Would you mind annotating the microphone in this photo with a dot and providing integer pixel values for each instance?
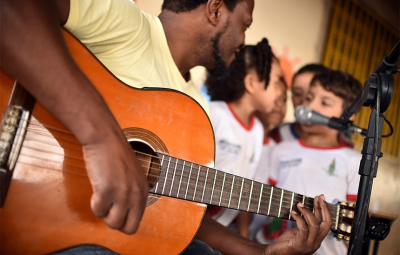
(308, 116)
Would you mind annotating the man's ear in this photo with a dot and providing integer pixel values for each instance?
(213, 9)
(249, 82)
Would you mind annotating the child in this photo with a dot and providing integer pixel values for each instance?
(275, 118)
(300, 85)
(235, 99)
(271, 119)
(318, 163)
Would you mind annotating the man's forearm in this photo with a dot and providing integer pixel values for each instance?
(225, 240)
(33, 52)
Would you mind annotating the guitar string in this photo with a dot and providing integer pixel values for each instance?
(275, 199)
(34, 121)
(284, 210)
(193, 176)
(181, 170)
(255, 193)
(139, 152)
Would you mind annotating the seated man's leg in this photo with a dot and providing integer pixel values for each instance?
(86, 250)
(198, 247)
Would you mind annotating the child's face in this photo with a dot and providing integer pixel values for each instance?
(264, 99)
(275, 117)
(323, 102)
(300, 86)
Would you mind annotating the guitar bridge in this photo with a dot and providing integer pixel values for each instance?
(13, 129)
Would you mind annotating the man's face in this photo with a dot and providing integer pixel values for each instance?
(230, 38)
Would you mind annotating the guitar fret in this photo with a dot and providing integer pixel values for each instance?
(280, 204)
(205, 182)
(230, 195)
(180, 180)
(251, 193)
(212, 191)
(197, 180)
(337, 217)
(222, 190)
(166, 176)
(173, 177)
(270, 199)
(291, 206)
(240, 196)
(259, 200)
(190, 174)
(162, 161)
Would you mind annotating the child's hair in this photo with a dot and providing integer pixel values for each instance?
(310, 68)
(231, 87)
(342, 84)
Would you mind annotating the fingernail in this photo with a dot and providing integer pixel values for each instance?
(323, 197)
(294, 212)
(300, 204)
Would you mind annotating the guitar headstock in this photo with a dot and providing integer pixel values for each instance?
(344, 220)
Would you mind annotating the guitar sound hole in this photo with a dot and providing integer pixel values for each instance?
(149, 160)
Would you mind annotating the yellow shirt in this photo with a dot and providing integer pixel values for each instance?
(130, 43)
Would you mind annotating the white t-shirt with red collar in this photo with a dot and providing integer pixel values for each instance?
(237, 149)
(264, 166)
(312, 171)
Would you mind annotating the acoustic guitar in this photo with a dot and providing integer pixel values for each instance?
(45, 191)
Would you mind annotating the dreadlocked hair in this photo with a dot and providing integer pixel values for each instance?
(231, 86)
(189, 5)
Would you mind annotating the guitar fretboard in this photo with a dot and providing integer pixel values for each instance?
(190, 181)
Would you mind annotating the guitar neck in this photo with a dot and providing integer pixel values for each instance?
(193, 182)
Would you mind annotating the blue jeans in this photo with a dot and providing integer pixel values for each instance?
(197, 247)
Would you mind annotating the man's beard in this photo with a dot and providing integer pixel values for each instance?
(220, 70)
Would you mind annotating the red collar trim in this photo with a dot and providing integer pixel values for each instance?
(249, 127)
(302, 143)
(266, 141)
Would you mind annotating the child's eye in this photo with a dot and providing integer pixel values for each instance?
(308, 99)
(325, 103)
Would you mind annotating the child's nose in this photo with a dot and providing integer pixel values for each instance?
(313, 105)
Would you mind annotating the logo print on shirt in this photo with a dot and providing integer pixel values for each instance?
(290, 163)
(229, 147)
(331, 169)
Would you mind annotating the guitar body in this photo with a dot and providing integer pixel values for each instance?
(47, 207)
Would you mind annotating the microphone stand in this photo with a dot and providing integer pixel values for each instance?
(377, 94)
